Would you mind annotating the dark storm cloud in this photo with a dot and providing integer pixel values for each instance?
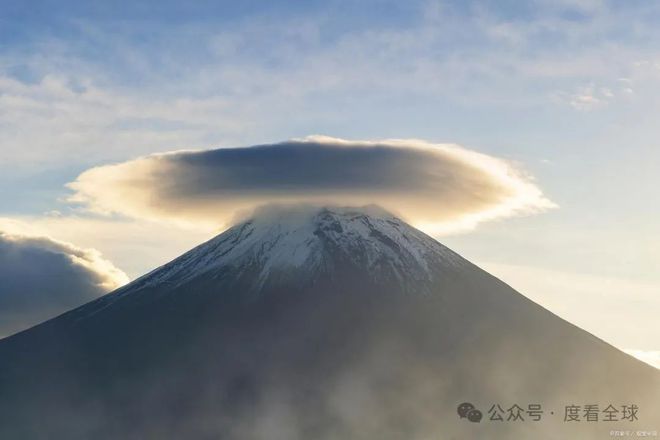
(41, 278)
(436, 185)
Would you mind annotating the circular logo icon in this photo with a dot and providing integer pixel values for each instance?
(464, 408)
(474, 415)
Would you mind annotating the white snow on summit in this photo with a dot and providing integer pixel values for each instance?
(281, 238)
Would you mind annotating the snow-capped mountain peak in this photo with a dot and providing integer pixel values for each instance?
(306, 241)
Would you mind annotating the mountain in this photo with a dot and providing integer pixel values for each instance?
(315, 323)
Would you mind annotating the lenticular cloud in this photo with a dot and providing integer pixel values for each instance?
(435, 186)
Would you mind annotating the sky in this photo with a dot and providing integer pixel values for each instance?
(566, 93)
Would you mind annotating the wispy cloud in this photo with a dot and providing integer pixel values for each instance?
(82, 118)
(183, 89)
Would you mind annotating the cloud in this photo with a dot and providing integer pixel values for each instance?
(240, 84)
(41, 278)
(591, 97)
(139, 245)
(78, 116)
(437, 186)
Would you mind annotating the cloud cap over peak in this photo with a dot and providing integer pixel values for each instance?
(436, 186)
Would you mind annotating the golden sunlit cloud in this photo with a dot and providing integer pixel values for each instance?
(438, 187)
(42, 278)
(138, 245)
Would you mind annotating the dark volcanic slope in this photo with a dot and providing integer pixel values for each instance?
(314, 324)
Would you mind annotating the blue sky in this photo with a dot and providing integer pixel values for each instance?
(566, 89)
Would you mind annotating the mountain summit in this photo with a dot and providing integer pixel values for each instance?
(312, 323)
(302, 244)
